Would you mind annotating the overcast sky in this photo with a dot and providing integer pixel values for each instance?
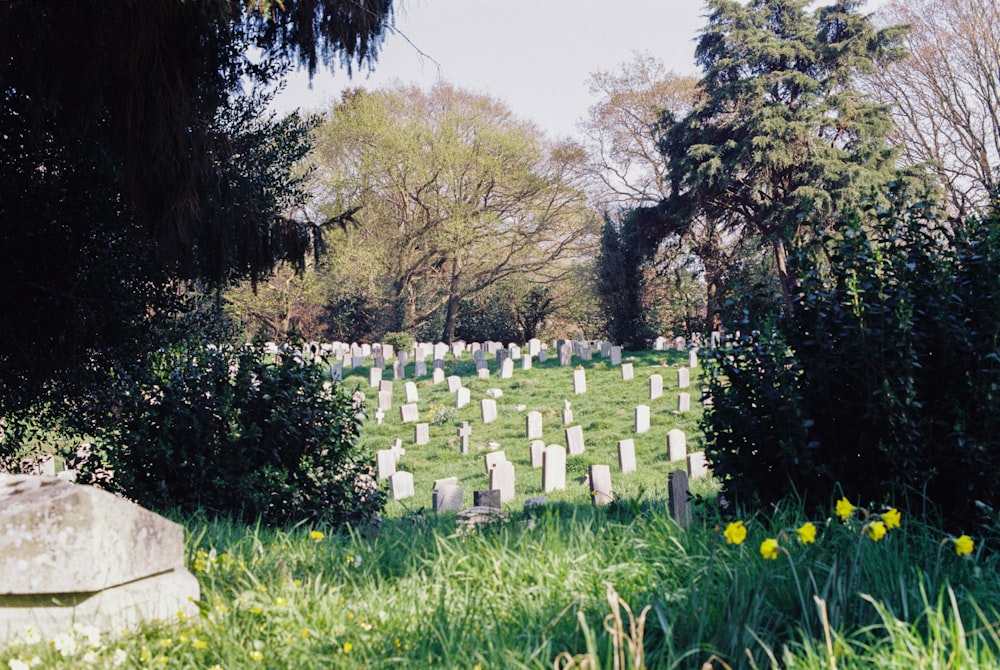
(535, 55)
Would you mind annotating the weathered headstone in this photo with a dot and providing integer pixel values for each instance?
(537, 448)
(543, 356)
(534, 346)
(526, 362)
(385, 459)
(676, 445)
(490, 460)
(502, 479)
(697, 465)
(616, 355)
(409, 413)
(385, 385)
(463, 397)
(554, 468)
(399, 368)
(486, 498)
(683, 402)
(507, 369)
(488, 410)
(454, 383)
(600, 485)
(71, 553)
(438, 376)
(693, 358)
(565, 354)
(655, 387)
(420, 369)
(567, 413)
(410, 389)
(421, 433)
(642, 419)
(628, 372)
(447, 498)
(660, 343)
(533, 425)
(374, 377)
(515, 351)
(464, 432)
(483, 373)
(357, 361)
(574, 440)
(379, 417)
(401, 485)
(337, 372)
(384, 401)
(626, 456)
(683, 378)
(579, 381)
(678, 498)
(440, 349)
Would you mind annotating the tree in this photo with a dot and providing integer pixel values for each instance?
(134, 163)
(945, 95)
(782, 129)
(456, 195)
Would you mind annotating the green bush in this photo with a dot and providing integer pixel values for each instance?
(226, 430)
(400, 341)
(885, 381)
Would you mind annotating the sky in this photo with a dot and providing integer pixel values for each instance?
(534, 55)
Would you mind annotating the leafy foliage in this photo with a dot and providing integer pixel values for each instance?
(224, 429)
(886, 379)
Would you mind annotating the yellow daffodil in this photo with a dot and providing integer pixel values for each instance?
(806, 533)
(844, 509)
(964, 545)
(876, 530)
(735, 532)
(257, 655)
(891, 517)
(316, 535)
(769, 548)
(347, 647)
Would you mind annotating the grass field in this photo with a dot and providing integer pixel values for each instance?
(566, 585)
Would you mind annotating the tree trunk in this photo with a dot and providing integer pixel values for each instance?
(784, 279)
(451, 316)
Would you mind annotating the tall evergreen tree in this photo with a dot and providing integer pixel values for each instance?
(781, 130)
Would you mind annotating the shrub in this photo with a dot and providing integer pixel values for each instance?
(399, 341)
(224, 429)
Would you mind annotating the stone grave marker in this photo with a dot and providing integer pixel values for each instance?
(683, 378)
(420, 369)
(464, 432)
(697, 465)
(489, 498)
(655, 387)
(600, 485)
(357, 361)
(526, 362)
(515, 351)
(71, 553)
(693, 358)
(447, 498)
(567, 413)
(409, 413)
(676, 445)
(678, 499)
(507, 368)
(385, 385)
(374, 377)
(579, 381)
(440, 349)
(502, 479)
(337, 372)
(401, 485)
(410, 388)
(399, 367)
(554, 468)
(388, 351)
(490, 459)
(642, 419)
(457, 348)
(626, 456)
(680, 344)
(628, 372)
(421, 433)
(533, 425)
(397, 449)
(574, 440)
(384, 401)
(438, 376)
(483, 373)
(683, 402)
(605, 349)
(454, 383)
(543, 356)
(488, 410)
(385, 459)
(565, 354)
(378, 362)
(616, 355)
(379, 417)
(660, 343)
(462, 397)
(537, 448)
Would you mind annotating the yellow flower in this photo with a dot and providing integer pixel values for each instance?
(891, 518)
(347, 647)
(844, 509)
(257, 655)
(964, 545)
(735, 532)
(769, 548)
(199, 644)
(875, 530)
(316, 535)
(806, 533)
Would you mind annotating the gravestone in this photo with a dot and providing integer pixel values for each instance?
(502, 479)
(464, 432)
(628, 372)
(600, 485)
(515, 351)
(543, 356)
(567, 413)
(655, 387)
(533, 425)
(537, 448)
(420, 369)
(483, 373)
(440, 349)
(388, 351)
(438, 376)
(374, 377)
(457, 349)
(683, 378)
(71, 553)
(676, 445)
(379, 417)
(454, 383)
(507, 369)
(616, 355)
(642, 419)
(337, 372)
(447, 498)
(678, 498)
(554, 468)
(584, 350)
(462, 397)
(385, 459)
(378, 362)
(401, 485)
(605, 349)
(384, 401)
(697, 465)
(490, 459)
(579, 381)
(526, 362)
(397, 449)
(534, 346)
(565, 354)
(385, 386)
(626, 456)
(488, 410)
(489, 498)
(574, 440)
(683, 402)
(399, 368)
(660, 343)
(680, 344)
(409, 413)
(693, 358)
(357, 361)
(421, 433)
(420, 353)
(410, 389)
(502, 355)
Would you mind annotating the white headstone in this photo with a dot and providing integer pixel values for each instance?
(642, 419)
(693, 358)
(626, 456)
(676, 445)
(386, 461)
(409, 413)
(554, 468)
(533, 425)
(401, 485)
(462, 397)
(628, 372)
(454, 383)
(574, 440)
(537, 448)
(683, 378)
(502, 479)
(616, 355)
(507, 368)
(374, 377)
(438, 376)
(483, 373)
(410, 389)
(683, 402)
(534, 346)
(579, 381)
(526, 362)
(655, 387)
(490, 459)
(697, 465)
(421, 433)
(464, 432)
(488, 409)
(600, 485)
